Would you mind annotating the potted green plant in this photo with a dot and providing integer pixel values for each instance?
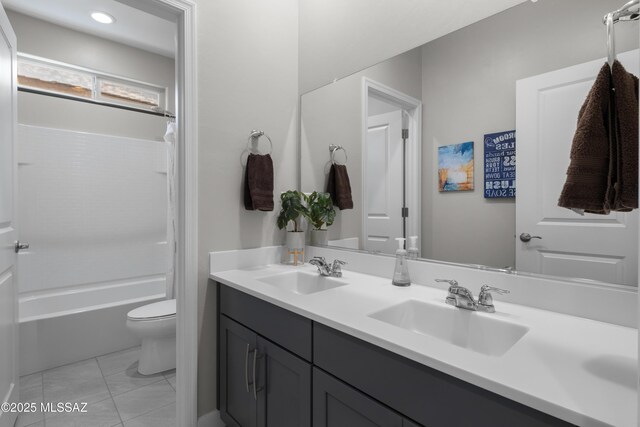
(320, 213)
(291, 211)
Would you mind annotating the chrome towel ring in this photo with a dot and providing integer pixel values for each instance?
(332, 149)
(254, 137)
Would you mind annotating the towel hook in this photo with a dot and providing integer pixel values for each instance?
(611, 43)
(332, 149)
(255, 136)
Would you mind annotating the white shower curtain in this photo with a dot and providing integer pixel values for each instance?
(170, 139)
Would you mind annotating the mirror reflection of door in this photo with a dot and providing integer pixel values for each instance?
(390, 192)
(384, 184)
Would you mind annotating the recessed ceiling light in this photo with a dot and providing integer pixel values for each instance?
(103, 18)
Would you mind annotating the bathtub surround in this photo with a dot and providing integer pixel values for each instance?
(87, 227)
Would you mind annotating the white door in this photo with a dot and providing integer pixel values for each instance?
(597, 247)
(8, 226)
(383, 182)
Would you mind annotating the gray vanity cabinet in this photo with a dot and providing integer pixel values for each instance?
(261, 384)
(237, 404)
(264, 363)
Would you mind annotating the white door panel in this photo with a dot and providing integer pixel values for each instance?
(596, 247)
(8, 223)
(383, 182)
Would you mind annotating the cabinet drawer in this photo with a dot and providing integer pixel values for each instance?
(423, 394)
(289, 330)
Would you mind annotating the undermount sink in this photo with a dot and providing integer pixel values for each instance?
(480, 332)
(301, 282)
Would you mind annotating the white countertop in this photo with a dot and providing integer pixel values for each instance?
(579, 370)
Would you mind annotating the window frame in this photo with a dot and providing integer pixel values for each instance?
(97, 77)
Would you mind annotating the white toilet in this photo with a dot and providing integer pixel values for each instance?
(155, 324)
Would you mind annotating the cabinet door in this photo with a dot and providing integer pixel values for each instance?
(237, 403)
(335, 404)
(283, 387)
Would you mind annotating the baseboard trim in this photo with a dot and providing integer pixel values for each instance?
(211, 419)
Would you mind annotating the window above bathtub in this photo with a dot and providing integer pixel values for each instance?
(49, 77)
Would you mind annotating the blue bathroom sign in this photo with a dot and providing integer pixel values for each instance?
(500, 165)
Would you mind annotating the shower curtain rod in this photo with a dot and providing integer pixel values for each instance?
(629, 12)
(93, 101)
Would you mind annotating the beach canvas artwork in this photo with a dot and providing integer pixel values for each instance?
(455, 167)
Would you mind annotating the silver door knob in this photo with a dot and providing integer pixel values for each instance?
(20, 246)
(526, 237)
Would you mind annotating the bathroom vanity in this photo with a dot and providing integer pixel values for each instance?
(299, 373)
(296, 349)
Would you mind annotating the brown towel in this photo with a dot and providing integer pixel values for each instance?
(258, 183)
(625, 130)
(339, 187)
(588, 173)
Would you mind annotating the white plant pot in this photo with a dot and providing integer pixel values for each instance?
(320, 237)
(295, 246)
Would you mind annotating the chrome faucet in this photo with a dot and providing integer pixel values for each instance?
(485, 299)
(330, 270)
(462, 297)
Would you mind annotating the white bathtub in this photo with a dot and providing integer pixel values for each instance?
(72, 324)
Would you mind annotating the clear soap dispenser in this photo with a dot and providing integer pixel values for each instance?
(401, 274)
(412, 252)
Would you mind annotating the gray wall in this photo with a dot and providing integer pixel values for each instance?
(248, 79)
(51, 41)
(469, 90)
(333, 115)
(339, 37)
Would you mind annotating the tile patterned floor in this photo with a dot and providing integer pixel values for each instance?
(116, 394)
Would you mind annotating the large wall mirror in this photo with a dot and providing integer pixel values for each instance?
(464, 142)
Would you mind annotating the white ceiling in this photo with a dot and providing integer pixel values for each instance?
(132, 27)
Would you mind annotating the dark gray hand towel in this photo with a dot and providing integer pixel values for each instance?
(258, 183)
(625, 130)
(339, 187)
(588, 173)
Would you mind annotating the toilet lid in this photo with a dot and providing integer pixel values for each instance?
(156, 310)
